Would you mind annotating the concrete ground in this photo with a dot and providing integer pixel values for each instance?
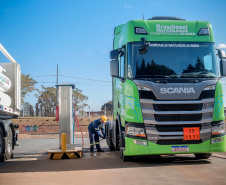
(31, 165)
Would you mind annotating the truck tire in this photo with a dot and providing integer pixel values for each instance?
(1, 146)
(118, 141)
(125, 158)
(203, 156)
(118, 135)
(109, 141)
(9, 144)
(108, 136)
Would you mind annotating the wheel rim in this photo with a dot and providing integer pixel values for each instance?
(10, 141)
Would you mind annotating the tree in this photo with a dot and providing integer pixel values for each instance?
(190, 68)
(199, 65)
(31, 111)
(109, 108)
(156, 69)
(79, 99)
(27, 109)
(37, 110)
(47, 101)
(82, 113)
(151, 68)
(143, 66)
(27, 85)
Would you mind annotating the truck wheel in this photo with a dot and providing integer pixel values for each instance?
(1, 146)
(203, 156)
(9, 144)
(118, 141)
(125, 158)
(110, 143)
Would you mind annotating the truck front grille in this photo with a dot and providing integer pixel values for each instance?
(164, 120)
(175, 128)
(177, 117)
(177, 142)
(177, 107)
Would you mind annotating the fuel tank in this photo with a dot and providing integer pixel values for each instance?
(5, 83)
(5, 99)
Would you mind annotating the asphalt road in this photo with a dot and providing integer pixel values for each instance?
(31, 165)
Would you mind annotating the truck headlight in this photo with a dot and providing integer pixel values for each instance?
(210, 87)
(135, 131)
(138, 142)
(143, 88)
(218, 129)
(217, 140)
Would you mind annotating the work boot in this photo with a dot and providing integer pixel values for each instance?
(91, 148)
(100, 150)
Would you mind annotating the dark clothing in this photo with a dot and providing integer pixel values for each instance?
(96, 126)
(94, 133)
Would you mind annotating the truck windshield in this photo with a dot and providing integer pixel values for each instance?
(173, 60)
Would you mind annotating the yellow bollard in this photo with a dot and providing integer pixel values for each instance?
(63, 142)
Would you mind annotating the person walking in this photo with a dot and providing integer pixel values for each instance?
(94, 133)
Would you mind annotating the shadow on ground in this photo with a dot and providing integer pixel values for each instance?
(89, 161)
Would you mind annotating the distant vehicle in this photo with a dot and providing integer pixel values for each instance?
(10, 101)
(167, 89)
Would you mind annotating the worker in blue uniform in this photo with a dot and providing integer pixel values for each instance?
(94, 132)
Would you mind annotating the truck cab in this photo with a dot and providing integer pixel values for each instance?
(167, 89)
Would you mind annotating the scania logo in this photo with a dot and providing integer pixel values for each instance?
(178, 90)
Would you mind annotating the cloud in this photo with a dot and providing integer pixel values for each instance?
(221, 46)
(128, 6)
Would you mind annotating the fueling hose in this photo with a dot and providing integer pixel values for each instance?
(78, 125)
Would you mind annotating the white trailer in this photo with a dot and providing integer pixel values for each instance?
(10, 101)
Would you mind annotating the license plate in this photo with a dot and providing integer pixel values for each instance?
(180, 148)
(192, 133)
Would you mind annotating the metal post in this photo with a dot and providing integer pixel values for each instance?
(40, 110)
(82, 108)
(89, 111)
(23, 110)
(57, 99)
(65, 112)
(105, 110)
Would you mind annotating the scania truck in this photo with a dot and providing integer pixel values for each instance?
(167, 89)
(10, 98)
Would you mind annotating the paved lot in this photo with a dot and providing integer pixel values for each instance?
(32, 166)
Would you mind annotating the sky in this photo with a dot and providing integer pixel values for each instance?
(78, 36)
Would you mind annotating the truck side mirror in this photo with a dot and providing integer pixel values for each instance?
(221, 54)
(114, 65)
(144, 47)
(115, 53)
(223, 66)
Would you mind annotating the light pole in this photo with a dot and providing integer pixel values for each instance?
(89, 111)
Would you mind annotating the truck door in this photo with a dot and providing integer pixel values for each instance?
(122, 88)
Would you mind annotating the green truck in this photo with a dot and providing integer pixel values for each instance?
(167, 89)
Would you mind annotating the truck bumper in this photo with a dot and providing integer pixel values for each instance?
(133, 149)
